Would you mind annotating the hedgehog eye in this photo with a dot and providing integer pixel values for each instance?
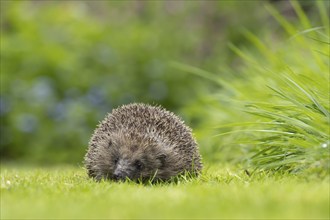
(138, 165)
(116, 160)
(110, 143)
(162, 158)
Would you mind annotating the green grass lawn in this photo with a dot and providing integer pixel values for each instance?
(223, 191)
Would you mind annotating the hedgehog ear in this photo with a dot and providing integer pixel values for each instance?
(162, 158)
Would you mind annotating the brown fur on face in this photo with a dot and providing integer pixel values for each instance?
(139, 141)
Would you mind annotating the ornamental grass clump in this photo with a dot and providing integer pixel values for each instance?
(283, 86)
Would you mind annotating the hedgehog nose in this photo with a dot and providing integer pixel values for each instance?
(118, 176)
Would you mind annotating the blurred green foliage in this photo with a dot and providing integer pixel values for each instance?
(65, 64)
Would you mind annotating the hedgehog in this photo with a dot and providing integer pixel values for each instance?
(142, 142)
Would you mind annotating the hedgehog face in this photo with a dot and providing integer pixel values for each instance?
(121, 157)
(134, 169)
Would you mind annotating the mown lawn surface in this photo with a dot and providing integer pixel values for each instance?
(222, 191)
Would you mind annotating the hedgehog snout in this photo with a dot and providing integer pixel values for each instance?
(121, 171)
(118, 175)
